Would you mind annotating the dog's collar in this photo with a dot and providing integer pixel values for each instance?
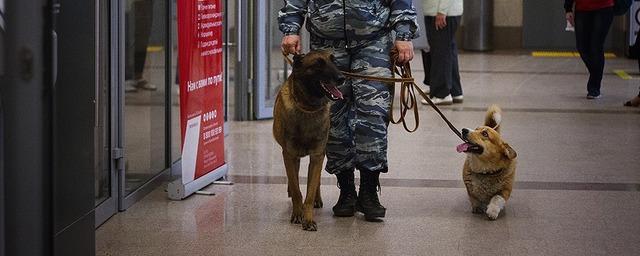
(490, 173)
(302, 107)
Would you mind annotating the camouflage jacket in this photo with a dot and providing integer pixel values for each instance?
(350, 19)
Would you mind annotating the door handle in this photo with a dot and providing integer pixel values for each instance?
(239, 28)
(55, 9)
(54, 58)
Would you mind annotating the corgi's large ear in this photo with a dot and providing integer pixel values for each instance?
(508, 151)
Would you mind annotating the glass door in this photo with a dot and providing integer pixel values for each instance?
(270, 69)
(146, 97)
(106, 197)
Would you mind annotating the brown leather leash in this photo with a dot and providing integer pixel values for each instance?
(408, 90)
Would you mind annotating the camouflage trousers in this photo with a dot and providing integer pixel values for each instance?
(358, 133)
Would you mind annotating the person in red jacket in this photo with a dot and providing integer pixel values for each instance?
(592, 20)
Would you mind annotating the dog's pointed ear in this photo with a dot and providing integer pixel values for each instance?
(508, 151)
(320, 62)
(297, 59)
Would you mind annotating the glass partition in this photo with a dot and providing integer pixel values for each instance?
(144, 103)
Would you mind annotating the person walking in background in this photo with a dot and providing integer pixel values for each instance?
(358, 32)
(634, 51)
(442, 18)
(591, 19)
(137, 41)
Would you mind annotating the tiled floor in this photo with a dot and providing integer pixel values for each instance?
(578, 190)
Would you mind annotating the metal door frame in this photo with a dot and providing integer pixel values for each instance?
(2, 179)
(261, 58)
(109, 207)
(242, 90)
(253, 55)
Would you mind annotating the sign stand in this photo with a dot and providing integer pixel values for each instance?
(200, 68)
(224, 181)
(205, 193)
(178, 191)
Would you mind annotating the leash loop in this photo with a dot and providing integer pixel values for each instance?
(408, 89)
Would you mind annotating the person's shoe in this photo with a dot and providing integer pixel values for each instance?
(426, 89)
(368, 202)
(346, 205)
(439, 101)
(635, 102)
(593, 97)
(145, 85)
(458, 99)
(129, 86)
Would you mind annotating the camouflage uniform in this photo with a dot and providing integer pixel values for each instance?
(359, 34)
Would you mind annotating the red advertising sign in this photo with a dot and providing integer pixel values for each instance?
(200, 67)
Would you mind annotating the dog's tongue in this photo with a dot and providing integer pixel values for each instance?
(462, 147)
(335, 92)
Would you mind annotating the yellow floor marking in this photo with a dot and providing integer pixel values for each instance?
(154, 48)
(564, 54)
(622, 74)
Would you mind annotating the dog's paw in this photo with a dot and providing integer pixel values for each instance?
(309, 225)
(296, 218)
(493, 211)
(318, 203)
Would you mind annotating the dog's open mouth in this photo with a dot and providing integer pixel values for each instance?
(469, 147)
(331, 90)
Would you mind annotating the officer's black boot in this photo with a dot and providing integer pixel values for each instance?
(368, 202)
(345, 207)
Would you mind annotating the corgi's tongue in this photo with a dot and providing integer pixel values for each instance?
(463, 147)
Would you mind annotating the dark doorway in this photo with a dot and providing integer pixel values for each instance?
(544, 25)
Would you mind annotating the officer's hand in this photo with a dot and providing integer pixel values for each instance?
(291, 44)
(405, 51)
(441, 21)
(570, 18)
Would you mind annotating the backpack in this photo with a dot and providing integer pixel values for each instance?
(621, 7)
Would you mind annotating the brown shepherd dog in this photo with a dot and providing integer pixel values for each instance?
(301, 126)
(490, 168)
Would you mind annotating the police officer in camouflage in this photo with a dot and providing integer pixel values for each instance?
(358, 32)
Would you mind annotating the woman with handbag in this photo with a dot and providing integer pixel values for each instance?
(592, 20)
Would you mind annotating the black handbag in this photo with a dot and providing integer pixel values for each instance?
(621, 7)
(634, 50)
